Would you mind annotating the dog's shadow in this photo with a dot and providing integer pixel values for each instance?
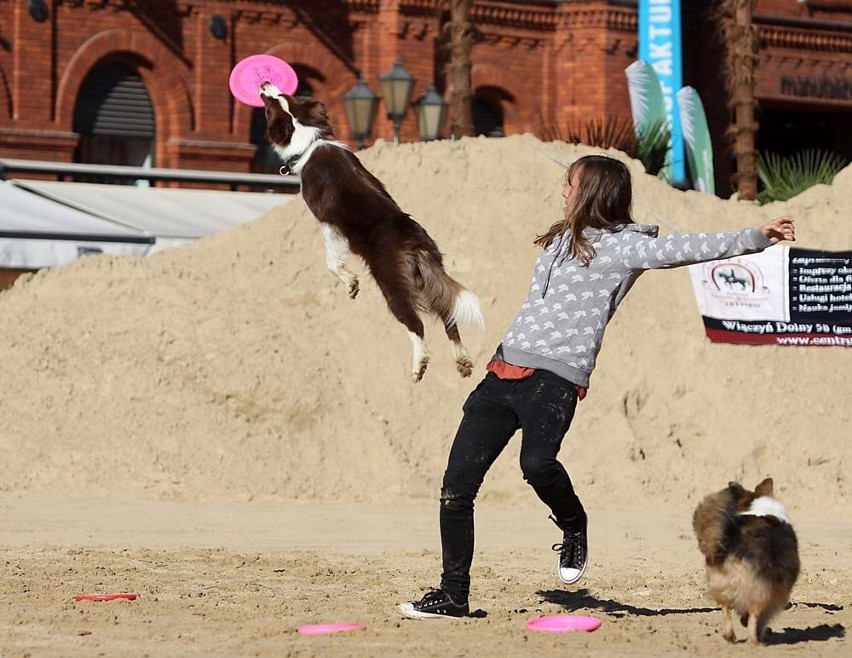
(819, 633)
(583, 599)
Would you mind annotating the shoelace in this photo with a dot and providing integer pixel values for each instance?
(434, 596)
(574, 548)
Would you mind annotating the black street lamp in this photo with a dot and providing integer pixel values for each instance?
(397, 85)
(430, 109)
(360, 104)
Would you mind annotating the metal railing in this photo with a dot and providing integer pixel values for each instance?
(93, 173)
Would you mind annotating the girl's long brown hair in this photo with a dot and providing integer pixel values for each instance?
(602, 201)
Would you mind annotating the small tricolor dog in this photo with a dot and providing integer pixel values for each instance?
(751, 552)
(358, 215)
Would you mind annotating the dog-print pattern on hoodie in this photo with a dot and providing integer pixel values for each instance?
(561, 324)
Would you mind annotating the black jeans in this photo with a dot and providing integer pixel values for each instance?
(542, 406)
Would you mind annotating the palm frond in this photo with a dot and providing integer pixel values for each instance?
(783, 177)
(653, 149)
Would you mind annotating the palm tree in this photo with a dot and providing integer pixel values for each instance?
(459, 68)
(740, 35)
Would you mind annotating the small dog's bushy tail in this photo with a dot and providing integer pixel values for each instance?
(442, 295)
(712, 522)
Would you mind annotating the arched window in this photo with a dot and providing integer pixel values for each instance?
(265, 160)
(488, 111)
(115, 118)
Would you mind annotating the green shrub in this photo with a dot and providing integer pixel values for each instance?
(783, 177)
(651, 149)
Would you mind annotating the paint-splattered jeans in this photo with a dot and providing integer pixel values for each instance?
(542, 406)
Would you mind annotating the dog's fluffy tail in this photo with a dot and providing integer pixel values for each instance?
(712, 523)
(447, 298)
(467, 309)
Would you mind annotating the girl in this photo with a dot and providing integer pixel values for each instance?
(590, 260)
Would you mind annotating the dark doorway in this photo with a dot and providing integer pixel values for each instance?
(115, 119)
(786, 131)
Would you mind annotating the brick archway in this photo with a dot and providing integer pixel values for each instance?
(486, 75)
(159, 69)
(338, 80)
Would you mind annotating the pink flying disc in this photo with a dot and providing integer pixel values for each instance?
(250, 73)
(105, 597)
(563, 623)
(327, 629)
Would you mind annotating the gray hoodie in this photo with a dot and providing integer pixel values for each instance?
(561, 324)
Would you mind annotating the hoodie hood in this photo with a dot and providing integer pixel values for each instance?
(645, 229)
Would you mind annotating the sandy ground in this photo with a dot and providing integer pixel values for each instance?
(217, 579)
(219, 429)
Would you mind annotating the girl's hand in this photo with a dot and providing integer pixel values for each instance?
(779, 229)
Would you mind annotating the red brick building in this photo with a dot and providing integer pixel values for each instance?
(146, 82)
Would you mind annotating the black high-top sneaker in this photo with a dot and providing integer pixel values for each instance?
(437, 604)
(574, 549)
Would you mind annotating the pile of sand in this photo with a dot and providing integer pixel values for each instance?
(237, 368)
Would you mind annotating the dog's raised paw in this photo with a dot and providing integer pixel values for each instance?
(417, 375)
(354, 288)
(464, 365)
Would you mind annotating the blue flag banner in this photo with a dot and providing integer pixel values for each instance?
(660, 46)
(781, 296)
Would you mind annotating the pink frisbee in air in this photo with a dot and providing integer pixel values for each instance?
(250, 73)
(328, 629)
(563, 623)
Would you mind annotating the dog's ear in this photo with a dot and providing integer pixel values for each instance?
(765, 488)
(279, 128)
(319, 117)
(736, 490)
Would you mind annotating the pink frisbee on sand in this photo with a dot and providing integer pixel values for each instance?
(130, 596)
(328, 629)
(563, 623)
(250, 73)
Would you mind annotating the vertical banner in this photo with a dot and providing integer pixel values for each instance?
(781, 296)
(696, 138)
(660, 46)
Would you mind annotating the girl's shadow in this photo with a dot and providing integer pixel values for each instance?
(583, 599)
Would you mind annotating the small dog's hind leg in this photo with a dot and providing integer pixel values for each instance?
(464, 364)
(757, 622)
(728, 632)
(336, 251)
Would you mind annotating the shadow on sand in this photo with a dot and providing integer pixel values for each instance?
(819, 633)
(583, 599)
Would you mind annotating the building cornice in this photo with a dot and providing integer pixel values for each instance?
(610, 18)
(780, 37)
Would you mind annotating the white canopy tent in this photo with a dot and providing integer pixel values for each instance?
(47, 223)
(36, 232)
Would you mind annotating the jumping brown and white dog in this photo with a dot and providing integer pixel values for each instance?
(358, 215)
(751, 552)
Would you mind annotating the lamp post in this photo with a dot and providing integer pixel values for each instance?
(397, 85)
(430, 109)
(360, 104)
